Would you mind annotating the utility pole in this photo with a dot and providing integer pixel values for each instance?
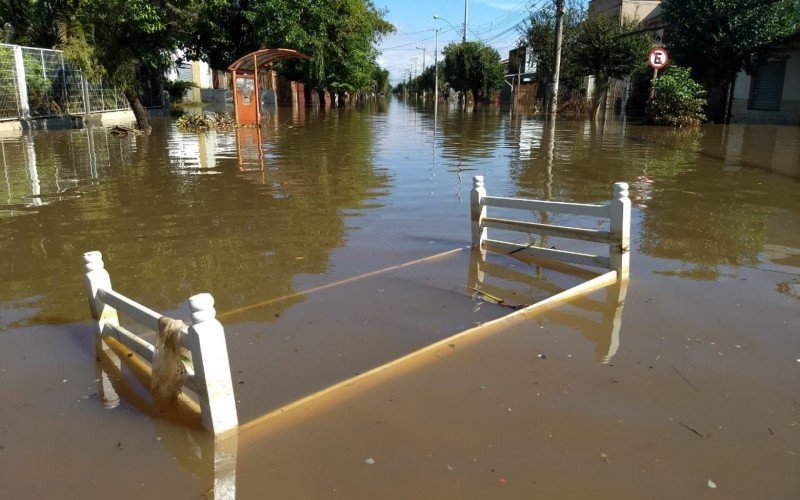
(424, 55)
(436, 70)
(466, 18)
(557, 64)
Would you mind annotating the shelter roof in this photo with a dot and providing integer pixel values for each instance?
(264, 57)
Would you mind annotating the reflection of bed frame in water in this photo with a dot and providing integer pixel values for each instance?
(212, 459)
(603, 333)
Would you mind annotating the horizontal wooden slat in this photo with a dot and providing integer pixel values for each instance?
(130, 340)
(144, 349)
(581, 259)
(130, 308)
(547, 206)
(505, 273)
(574, 233)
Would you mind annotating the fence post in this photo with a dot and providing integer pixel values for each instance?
(85, 91)
(97, 277)
(206, 341)
(619, 249)
(22, 85)
(478, 212)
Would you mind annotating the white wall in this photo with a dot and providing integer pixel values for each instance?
(791, 81)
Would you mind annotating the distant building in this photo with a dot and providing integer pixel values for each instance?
(521, 87)
(646, 12)
(772, 93)
(211, 84)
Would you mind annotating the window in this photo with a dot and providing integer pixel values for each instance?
(767, 86)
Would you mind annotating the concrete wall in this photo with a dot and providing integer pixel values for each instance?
(122, 117)
(789, 113)
(638, 10)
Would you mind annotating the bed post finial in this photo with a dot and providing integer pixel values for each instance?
(478, 212)
(619, 251)
(97, 278)
(206, 341)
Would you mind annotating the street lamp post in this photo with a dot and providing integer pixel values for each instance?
(466, 17)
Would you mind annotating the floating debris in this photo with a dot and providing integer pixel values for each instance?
(369, 461)
(712, 484)
(702, 435)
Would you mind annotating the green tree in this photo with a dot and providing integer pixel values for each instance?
(424, 82)
(475, 67)
(339, 36)
(125, 39)
(605, 47)
(719, 38)
(540, 39)
(32, 22)
(380, 77)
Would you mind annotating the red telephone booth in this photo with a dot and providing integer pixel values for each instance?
(245, 77)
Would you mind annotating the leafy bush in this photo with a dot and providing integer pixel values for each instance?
(177, 89)
(678, 99)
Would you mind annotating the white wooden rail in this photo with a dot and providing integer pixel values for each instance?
(208, 370)
(617, 237)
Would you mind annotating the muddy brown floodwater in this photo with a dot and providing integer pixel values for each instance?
(687, 377)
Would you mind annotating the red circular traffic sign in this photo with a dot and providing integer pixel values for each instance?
(658, 58)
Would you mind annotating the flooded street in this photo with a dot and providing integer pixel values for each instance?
(688, 374)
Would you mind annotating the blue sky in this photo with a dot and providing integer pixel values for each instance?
(493, 21)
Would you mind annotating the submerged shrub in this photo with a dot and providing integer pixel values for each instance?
(193, 123)
(200, 122)
(575, 106)
(677, 100)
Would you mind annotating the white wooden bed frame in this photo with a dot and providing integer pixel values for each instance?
(208, 368)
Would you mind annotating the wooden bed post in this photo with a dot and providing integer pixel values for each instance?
(619, 248)
(97, 278)
(206, 341)
(478, 212)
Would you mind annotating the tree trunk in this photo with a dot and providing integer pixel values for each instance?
(717, 107)
(138, 111)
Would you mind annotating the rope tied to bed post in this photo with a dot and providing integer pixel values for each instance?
(169, 372)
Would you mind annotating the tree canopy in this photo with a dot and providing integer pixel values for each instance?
(339, 36)
(539, 37)
(605, 47)
(124, 40)
(719, 38)
(475, 67)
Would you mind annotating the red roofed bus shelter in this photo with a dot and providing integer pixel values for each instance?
(246, 90)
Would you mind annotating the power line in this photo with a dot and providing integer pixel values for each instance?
(414, 42)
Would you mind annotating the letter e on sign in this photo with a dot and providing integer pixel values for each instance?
(658, 58)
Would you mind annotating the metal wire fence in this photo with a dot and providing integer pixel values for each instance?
(9, 93)
(54, 88)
